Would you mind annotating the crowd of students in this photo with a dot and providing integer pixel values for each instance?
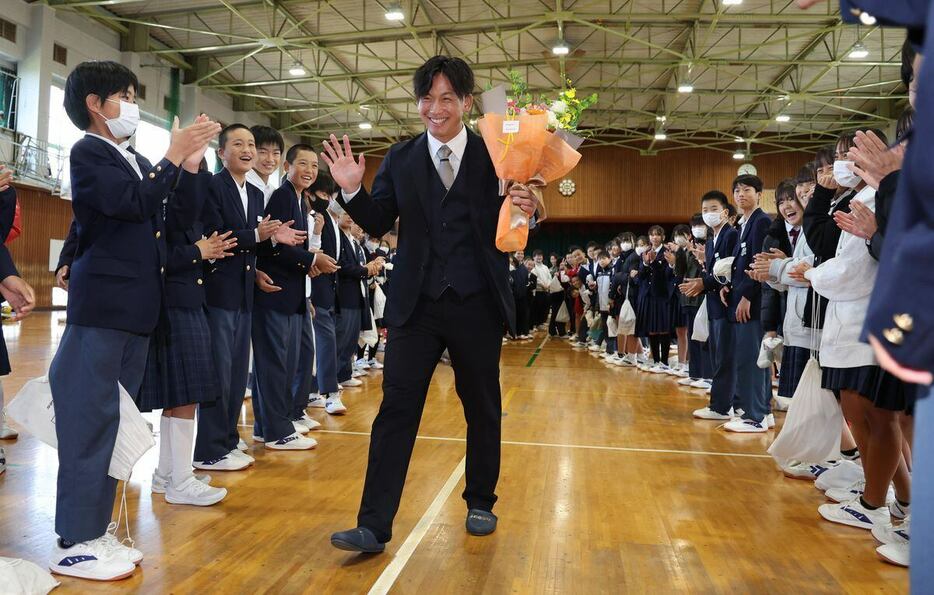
(748, 297)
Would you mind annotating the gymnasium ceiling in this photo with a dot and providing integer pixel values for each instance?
(748, 64)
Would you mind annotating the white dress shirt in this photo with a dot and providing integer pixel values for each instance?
(267, 187)
(122, 148)
(245, 200)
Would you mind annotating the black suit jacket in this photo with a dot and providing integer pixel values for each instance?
(401, 190)
(7, 269)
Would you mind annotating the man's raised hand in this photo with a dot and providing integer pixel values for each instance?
(347, 172)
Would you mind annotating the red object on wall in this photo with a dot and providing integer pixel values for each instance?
(17, 225)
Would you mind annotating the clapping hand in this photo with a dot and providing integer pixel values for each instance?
(20, 295)
(267, 227)
(860, 221)
(874, 157)
(825, 178)
(285, 234)
(192, 163)
(265, 284)
(216, 246)
(797, 273)
(762, 262)
(185, 141)
(700, 252)
(692, 287)
(324, 264)
(344, 170)
(319, 224)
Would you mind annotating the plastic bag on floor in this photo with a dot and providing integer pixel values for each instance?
(32, 409)
(701, 323)
(22, 576)
(811, 432)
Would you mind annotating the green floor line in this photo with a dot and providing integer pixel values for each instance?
(537, 351)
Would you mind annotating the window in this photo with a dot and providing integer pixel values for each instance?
(8, 30)
(60, 54)
(141, 92)
(151, 140)
(62, 135)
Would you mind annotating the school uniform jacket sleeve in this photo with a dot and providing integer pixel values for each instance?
(350, 268)
(7, 268)
(748, 287)
(214, 221)
(820, 229)
(7, 212)
(103, 186)
(375, 211)
(280, 207)
(67, 255)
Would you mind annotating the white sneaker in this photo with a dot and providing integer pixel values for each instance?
(353, 383)
(94, 560)
(239, 454)
(594, 348)
(119, 549)
(895, 553)
(293, 442)
(160, 482)
(299, 427)
(893, 534)
(845, 474)
(681, 372)
(746, 426)
(225, 463)
(854, 514)
(194, 493)
(644, 367)
(782, 403)
(334, 406)
(376, 364)
(770, 420)
(686, 381)
(258, 438)
(798, 470)
(316, 401)
(855, 491)
(362, 364)
(309, 423)
(702, 383)
(7, 433)
(898, 511)
(629, 360)
(708, 413)
(2, 460)
(358, 374)
(241, 445)
(659, 369)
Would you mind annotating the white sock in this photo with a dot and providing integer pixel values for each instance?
(183, 439)
(165, 447)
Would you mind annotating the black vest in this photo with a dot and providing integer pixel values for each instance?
(452, 250)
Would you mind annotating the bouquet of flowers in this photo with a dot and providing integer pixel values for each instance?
(531, 142)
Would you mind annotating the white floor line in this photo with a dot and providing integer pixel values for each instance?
(582, 446)
(388, 578)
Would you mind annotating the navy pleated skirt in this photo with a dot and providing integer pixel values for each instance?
(862, 380)
(180, 367)
(793, 361)
(653, 317)
(894, 395)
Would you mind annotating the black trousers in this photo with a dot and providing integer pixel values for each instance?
(471, 329)
(523, 321)
(556, 328)
(540, 307)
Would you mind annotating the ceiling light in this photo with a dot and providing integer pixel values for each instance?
(561, 48)
(867, 19)
(732, 2)
(685, 87)
(660, 134)
(740, 139)
(739, 155)
(782, 118)
(661, 118)
(365, 125)
(859, 51)
(297, 69)
(394, 12)
(784, 98)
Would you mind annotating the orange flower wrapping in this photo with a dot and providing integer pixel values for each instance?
(520, 154)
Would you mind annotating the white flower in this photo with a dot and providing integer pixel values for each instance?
(559, 107)
(552, 119)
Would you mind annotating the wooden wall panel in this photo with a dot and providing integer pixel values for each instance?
(619, 185)
(43, 217)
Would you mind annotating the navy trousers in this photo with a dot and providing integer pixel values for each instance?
(217, 423)
(304, 375)
(348, 335)
(276, 340)
(83, 378)
(325, 378)
(699, 364)
(723, 384)
(753, 384)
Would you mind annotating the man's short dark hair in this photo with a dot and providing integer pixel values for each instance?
(454, 69)
(222, 139)
(323, 183)
(717, 196)
(266, 135)
(603, 254)
(592, 244)
(95, 77)
(537, 253)
(294, 150)
(681, 229)
(748, 180)
(697, 219)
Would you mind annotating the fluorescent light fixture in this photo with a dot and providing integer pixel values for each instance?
(560, 48)
(661, 118)
(740, 139)
(739, 155)
(859, 51)
(365, 125)
(782, 118)
(394, 12)
(297, 69)
(732, 2)
(685, 87)
(660, 134)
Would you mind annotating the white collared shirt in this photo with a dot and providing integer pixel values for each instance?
(267, 187)
(458, 145)
(122, 148)
(245, 199)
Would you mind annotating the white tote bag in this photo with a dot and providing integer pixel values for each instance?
(32, 408)
(811, 432)
(379, 302)
(612, 327)
(562, 316)
(701, 323)
(626, 322)
(369, 337)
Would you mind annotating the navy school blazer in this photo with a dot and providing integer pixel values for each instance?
(724, 246)
(324, 286)
(7, 212)
(119, 263)
(229, 281)
(184, 268)
(747, 246)
(349, 276)
(287, 265)
(7, 269)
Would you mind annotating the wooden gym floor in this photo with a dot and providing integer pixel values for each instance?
(608, 486)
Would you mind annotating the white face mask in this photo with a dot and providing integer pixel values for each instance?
(124, 125)
(640, 250)
(681, 241)
(843, 175)
(713, 219)
(626, 246)
(699, 232)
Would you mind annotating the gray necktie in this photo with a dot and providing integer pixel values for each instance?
(444, 166)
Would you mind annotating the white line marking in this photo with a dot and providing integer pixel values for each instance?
(582, 446)
(388, 578)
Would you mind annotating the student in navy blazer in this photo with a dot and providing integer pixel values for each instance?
(744, 296)
(351, 297)
(115, 299)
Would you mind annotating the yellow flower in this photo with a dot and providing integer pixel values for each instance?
(571, 93)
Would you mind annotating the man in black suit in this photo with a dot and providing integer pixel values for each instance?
(449, 290)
